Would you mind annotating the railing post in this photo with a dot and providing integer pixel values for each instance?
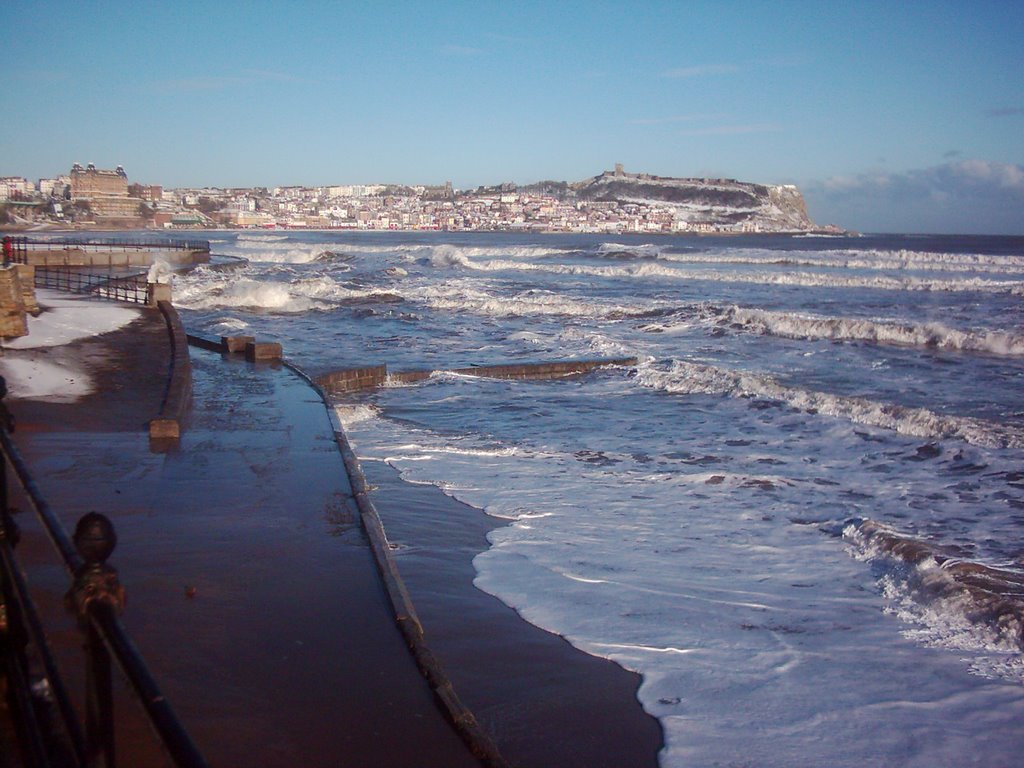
(96, 582)
(6, 422)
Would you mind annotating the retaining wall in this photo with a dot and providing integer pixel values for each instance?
(178, 396)
(80, 257)
(356, 379)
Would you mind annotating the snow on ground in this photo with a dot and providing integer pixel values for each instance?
(65, 319)
(34, 379)
(69, 317)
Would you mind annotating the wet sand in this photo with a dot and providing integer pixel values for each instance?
(287, 653)
(545, 702)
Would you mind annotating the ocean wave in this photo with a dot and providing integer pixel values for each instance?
(346, 416)
(457, 258)
(282, 251)
(930, 335)
(227, 326)
(459, 297)
(902, 260)
(693, 378)
(199, 291)
(260, 237)
(642, 251)
(952, 602)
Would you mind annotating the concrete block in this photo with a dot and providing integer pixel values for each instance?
(162, 429)
(263, 351)
(158, 292)
(235, 344)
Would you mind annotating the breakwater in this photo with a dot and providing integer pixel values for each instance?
(355, 379)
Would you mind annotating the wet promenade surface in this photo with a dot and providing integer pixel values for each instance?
(253, 595)
(286, 652)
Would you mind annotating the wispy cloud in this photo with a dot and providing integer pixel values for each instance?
(733, 130)
(673, 119)
(460, 50)
(701, 70)
(1006, 112)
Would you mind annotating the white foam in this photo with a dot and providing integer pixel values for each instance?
(349, 415)
(466, 297)
(937, 335)
(686, 583)
(226, 325)
(684, 377)
(279, 250)
(854, 259)
(456, 257)
(938, 615)
(159, 272)
(645, 250)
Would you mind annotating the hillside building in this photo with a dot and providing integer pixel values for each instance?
(105, 191)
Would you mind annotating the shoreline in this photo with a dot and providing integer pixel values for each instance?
(544, 701)
(817, 232)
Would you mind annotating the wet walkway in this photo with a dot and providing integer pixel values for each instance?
(252, 592)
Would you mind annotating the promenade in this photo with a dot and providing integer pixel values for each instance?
(254, 596)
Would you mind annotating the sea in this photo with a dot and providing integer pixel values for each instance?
(799, 516)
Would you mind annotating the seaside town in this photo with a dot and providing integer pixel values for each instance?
(92, 198)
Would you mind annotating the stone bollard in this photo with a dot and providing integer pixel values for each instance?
(236, 344)
(263, 352)
(157, 292)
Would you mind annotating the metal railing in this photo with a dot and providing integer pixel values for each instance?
(110, 281)
(48, 729)
(24, 244)
(132, 288)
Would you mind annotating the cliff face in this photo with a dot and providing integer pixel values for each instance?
(718, 204)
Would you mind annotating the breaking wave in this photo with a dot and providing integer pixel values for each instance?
(347, 415)
(952, 602)
(456, 257)
(465, 298)
(901, 260)
(930, 335)
(261, 237)
(864, 260)
(643, 251)
(693, 378)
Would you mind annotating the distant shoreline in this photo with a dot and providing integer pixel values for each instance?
(820, 232)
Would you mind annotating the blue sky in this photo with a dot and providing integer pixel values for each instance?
(890, 116)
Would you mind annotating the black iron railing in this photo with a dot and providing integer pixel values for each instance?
(130, 288)
(24, 244)
(47, 726)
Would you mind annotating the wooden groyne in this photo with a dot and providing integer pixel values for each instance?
(358, 379)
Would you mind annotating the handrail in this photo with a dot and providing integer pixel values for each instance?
(132, 288)
(18, 591)
(73, 561)
(111, 242)
(97, 595)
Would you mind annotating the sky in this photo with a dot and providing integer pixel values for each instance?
(890, 116)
